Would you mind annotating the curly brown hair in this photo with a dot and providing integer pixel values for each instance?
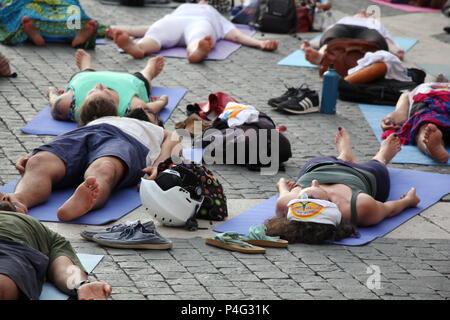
(95, 108)
(309, 232)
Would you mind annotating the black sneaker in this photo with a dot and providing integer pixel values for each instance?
(306, 101)
(274, 102)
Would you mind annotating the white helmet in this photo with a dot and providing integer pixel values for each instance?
(170, 204)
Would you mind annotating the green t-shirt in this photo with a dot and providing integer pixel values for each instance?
(27, 230)
(126, 85)
(360, 181)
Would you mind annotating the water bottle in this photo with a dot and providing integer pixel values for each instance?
(329, 91)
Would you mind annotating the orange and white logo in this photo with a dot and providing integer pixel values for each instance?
(305, 209)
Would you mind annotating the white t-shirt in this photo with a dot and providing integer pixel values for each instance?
(370, 23)
(148, 134)
(204, 11)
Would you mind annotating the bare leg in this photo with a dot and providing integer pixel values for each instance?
(388, 149)
(153, 68)
(83, 60)
(198, 50)
(100, 179)
(238, 36)
(344, 146)
(395, 119)
(137, 50)
(8, 288)
(430, 141)
(133, 32)
(30, 30)
(87, 31)
(42, 171)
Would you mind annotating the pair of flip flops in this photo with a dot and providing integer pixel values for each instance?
(253, 242)
(5, 70)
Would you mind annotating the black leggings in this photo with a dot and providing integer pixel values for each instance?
(354, 32)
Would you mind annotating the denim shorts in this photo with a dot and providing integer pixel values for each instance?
(80, 147)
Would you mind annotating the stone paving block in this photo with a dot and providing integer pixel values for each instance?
(128, 296)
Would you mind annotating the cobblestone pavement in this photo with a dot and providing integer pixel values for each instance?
(410, 269)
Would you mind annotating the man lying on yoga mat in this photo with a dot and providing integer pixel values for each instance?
(422, 117)
(30, 253)
(106, 154)
(333, 196)
(94, 91)
(198, 26)
(360, 26)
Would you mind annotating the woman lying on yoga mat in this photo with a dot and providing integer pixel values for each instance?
(422, 117)
(38, 20)
(198, 26)
(360, 26)
(30, 253)
(90, 92)
(333, 196)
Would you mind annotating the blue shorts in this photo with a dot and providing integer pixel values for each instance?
(80, 147)
(375, 167)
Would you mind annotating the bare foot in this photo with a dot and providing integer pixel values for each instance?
(313, 56)
(154, 67)
(432, 139)
(30, 30)
(87, 31)
(344, 145)
(81, 202)
(388, 149)
(204, 46)
(269, 45)
(411, 197)
(123, 41)
(83, 60)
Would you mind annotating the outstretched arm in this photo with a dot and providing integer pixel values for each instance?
(238, 36)
(66, 275)
(371, 211)
(170, 146)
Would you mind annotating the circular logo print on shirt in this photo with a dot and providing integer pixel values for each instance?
(305, 209)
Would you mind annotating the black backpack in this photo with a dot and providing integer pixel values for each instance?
(276, 16)
(381, 91)
(132, 3)
(243, 137)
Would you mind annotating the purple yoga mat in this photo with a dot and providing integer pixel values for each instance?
(221, 51)
(431, 187)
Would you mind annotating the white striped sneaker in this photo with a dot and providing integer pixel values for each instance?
(306, 101)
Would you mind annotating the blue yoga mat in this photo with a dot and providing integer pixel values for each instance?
(431, 187)
(297, 58)
(409, 154)
(435, 69)
(44, 124)
(50, 292)
(119, 204)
